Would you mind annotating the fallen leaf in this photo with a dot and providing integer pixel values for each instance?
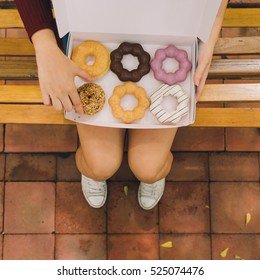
(167, 244)
(207, 206)
(126, 190)
(237, 257)
(223, 254)
(248, 218)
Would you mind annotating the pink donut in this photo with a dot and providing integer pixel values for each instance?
(179, 75)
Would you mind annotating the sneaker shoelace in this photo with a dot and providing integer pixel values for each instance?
(150, 191)
(95, 190)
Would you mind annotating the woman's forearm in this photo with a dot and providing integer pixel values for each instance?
(206, 51)
(218, 23)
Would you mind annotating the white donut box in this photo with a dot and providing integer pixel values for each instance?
(152, 23)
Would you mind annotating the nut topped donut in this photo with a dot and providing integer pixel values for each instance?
(134, 49)
(138, 112)
(92, 98)
(98, 51)
(171, 52)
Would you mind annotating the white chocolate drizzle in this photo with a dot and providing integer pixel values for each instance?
(161, 114)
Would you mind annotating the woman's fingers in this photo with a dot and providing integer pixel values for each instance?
(83, 74)
(74, 97)
(56, 103)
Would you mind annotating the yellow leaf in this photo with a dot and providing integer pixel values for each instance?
(237, 257)
(223, 254)
(248, 218)
(207, 206)
(167, 244)
(126, 190)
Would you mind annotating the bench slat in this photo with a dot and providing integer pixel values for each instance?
(234, 68)
(10, 18)
(230, 93)
(237, 45)
(212, 93)
(22, 69)
(206, 117)
(20, 94)
(16, 46)
(227, 117)
(241, 17)
(30, 114)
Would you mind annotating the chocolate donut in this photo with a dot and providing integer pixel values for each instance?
(134, 49)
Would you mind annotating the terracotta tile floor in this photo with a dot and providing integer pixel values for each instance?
(208, 195)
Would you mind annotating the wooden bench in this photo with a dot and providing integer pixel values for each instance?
(23, 104)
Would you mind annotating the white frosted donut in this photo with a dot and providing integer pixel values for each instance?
(161, 114)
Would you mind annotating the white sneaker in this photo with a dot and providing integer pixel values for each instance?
(95, 192)
(150, 194)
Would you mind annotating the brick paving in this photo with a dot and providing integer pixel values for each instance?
(209, 192)
(211, 201)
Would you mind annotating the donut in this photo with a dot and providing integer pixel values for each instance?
(98, 51)
(136, 113)
(180, 74)
(134, 49)
(92, 98)
(161, 114)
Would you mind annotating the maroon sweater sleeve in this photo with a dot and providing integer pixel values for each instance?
(37, 15)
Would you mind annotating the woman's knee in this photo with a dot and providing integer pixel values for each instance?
(99, 167)
(149, 169)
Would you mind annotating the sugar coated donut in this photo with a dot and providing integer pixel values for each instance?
(161, 114)
(98, 51)
(134, 49)
(92, 97)
(138, 112)
(180, 74)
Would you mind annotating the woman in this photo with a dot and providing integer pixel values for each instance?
(101, 148)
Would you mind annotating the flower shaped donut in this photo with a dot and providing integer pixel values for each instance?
(138, 112)
(171, 52)
(136, 50)
(161, 114)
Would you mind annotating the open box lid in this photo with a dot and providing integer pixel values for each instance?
(189, 18)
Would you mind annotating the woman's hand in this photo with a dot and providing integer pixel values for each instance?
(56, 73)
(204, 61)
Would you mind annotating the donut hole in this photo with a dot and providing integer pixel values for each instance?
(90, 60)
(170, 65)
(128, 102)
(130, 62)
(169, 103)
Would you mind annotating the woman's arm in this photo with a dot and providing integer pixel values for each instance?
(37, 15)
(56, 71)
(206, 51)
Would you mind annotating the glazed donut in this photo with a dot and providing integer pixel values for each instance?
(92, 98)
(100, 53)
(138, 112)
(161, 114)
(134, 49)
(171, 52)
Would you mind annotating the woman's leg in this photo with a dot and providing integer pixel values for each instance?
(150, 159)
(100, 152)
(149, 153)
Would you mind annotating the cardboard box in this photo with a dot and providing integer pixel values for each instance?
(154, 24)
